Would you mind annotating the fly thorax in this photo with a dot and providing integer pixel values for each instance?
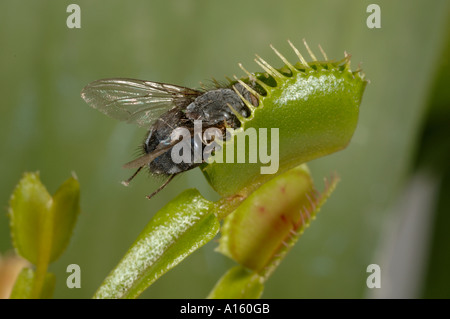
(215, 107)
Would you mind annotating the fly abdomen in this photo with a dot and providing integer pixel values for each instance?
(215, 108)
(182, 157)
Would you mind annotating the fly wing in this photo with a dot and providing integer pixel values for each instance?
(149, 157)
(136, 101)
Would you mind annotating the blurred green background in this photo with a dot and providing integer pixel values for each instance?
(390, 208)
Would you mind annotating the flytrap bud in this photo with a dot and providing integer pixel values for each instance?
(261, 230)
(299, 112)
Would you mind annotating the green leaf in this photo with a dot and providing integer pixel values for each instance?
(64, 210)
(238, 283)
(28, 208)
(23, 286)
(179, 228)
(41, 226)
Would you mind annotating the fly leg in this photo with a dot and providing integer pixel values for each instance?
(162, 186)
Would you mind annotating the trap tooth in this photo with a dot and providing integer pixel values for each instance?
(246, 102)
(252, 77)
(300, 56)
(268, 68)
(236, 113)
(311, 54)
(285, 61)
(323, 53)
(248, 88)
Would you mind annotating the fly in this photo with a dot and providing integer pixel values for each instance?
(162, 108)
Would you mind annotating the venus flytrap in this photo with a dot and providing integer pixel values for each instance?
(307, 110)
(314, 107)
(260, 229)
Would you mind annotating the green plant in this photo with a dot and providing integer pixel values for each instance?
(314, 105)
(41, 226)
